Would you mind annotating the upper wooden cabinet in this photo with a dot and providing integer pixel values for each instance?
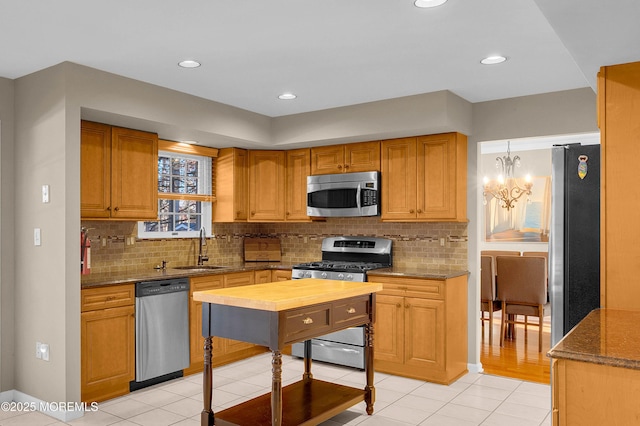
(424, 178)
(618, 112)
(348, 158)
(266, 186)
(118, 173)
(231, 186)
(298, 168)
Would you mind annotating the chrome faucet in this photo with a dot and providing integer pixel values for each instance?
(202, 242)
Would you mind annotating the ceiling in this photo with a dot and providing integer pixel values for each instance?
(330, 53)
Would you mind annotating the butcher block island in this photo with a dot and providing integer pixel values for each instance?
(278, 314)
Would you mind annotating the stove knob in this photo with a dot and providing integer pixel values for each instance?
(324, 275)
(307, 274)
(349, 277)
(301, 274)
(341, 276)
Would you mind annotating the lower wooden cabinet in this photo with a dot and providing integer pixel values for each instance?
(421, 328)
(107, 340)
(224, 351)
(262, 277)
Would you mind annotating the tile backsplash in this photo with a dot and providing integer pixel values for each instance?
(115, 247)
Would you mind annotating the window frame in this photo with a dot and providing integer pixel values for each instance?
(182, 150)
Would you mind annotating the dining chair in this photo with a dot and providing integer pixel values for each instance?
(494, 253)
(522, 290)
(546, 258)
(488, 300)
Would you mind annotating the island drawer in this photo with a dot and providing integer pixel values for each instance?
(307, 322)
(351, 311)
(92, 299)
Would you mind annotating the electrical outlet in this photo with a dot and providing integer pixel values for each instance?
(38, 353)
(441, 242)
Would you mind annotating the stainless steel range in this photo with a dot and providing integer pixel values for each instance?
(348, 259)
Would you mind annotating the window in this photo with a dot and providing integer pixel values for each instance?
(184, 197)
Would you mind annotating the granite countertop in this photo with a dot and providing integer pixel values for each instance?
(605, 336)
(134, 275)
(421, 271)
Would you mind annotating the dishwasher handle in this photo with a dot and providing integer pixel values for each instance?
(153, 288)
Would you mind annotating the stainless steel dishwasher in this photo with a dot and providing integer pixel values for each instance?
(162, 331)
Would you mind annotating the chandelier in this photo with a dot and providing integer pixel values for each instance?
(506, 188)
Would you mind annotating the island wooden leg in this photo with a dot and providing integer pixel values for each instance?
(307, 360)
(370, 396)
(207, 417)
(276, 389)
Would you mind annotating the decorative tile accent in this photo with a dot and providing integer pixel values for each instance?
(413, 243)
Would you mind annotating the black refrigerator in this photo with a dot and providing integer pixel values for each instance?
(574, 241)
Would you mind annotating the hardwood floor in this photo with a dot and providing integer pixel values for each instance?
(519, 358)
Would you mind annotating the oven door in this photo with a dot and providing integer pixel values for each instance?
(331, 196)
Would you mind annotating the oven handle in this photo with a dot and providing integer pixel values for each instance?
(358, 196)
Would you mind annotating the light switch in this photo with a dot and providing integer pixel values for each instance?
(45, 193)
(36, 237)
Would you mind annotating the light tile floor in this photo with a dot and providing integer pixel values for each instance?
(475, 399)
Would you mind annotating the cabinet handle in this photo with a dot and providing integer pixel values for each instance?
(346, 166)
(419, 210)
(339, 166)
(351, 310)
(109, 208)
(307, 320)
(398, 305)
(253, 213)
(110, 298)
(237, 214)
(117, 208)
(288, 213)
(407, 306)
(411, 211)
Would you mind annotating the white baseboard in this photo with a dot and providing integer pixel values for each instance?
(475, 368)
(63, 411)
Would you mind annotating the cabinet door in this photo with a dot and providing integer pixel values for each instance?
(266, 185)
(231, 185)
(134, 177)
(262, 277)
(298, 168)
(195, 322)
(95, 170)
(107, 353)
(362, 157)
(280, 275)
(389, 328)
(399, 179)
(436, 177)
(425, 333)
(327, 159)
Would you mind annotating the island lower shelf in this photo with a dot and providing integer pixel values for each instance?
(307, 402)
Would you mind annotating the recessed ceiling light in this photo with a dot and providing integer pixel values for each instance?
(189, 64)
(492, 60)
(190, 142)
(287, 96)
(429, 3)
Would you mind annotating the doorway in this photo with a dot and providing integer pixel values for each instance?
(518, 358)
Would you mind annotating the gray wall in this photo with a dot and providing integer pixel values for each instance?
(6, 235)
(48, 108)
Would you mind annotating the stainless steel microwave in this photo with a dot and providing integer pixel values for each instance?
(344, 195)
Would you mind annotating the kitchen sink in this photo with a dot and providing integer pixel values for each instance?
(199, 267)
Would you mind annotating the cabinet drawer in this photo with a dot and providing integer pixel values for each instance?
(412, 287)
(351, 311)
(107, 297)
(208, 282)
(307, 322)
(238, 279)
